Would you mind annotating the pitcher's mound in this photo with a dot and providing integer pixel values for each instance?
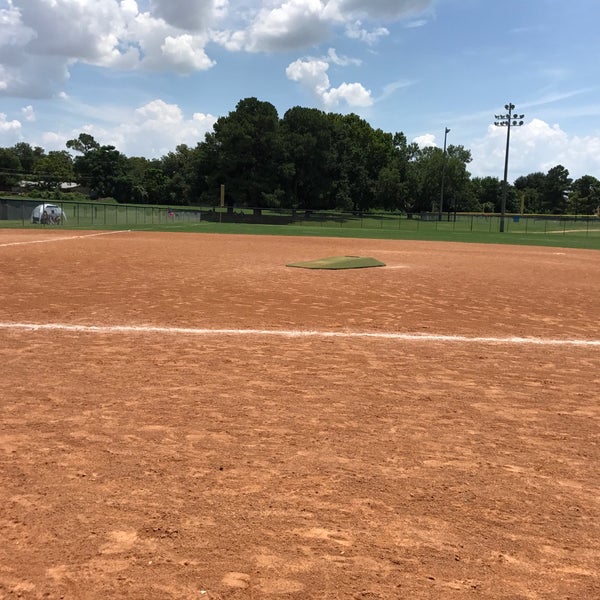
(339, 262)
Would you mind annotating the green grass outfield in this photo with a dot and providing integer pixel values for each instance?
(539, 230)
(543, 233)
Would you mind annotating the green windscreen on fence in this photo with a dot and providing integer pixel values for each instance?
(339, 262)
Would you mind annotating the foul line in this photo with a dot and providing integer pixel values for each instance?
(60, 239)
(409, 337)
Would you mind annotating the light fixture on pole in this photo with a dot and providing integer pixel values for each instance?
(441, 208)
(507, 121)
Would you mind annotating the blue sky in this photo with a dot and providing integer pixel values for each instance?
(147, 75)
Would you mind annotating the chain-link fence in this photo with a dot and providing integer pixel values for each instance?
(19, 212)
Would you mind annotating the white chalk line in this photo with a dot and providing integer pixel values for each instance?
(61, 239)
(299, 333)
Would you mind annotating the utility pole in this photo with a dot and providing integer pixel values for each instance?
(507, 121)
(441, 208)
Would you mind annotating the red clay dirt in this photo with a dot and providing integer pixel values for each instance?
(172, 464)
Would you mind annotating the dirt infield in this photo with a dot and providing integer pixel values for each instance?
(172, 462)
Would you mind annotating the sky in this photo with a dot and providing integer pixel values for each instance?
(148, 75)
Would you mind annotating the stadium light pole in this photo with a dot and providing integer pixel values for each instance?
(507, 121)
(446, 132)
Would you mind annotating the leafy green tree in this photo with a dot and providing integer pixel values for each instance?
(456, 179)
(584, 197)
(103, 169)
(390, 190)
(557, 186)
(53, 169)
(245, 148)
(350, 184)
(179, 168)
(531, 189)
(307, 165)
(84, 143)
(28, 156)
(487, 192)
(362, 158)
(10, 168)
(156, 183)
(427, 168)
(405, 161)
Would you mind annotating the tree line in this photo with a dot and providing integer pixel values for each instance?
(306, 160)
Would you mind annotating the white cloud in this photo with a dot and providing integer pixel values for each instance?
(186, 15)
(423, 141)
(536, 146)
(378, 9)
(40, 40)
(151, 130)
(292, 25)
(354, 94)
(355, 31)
(342, 61)
(6, 125)
(416, 23)
(10, 131)
(186, 53)
(312, 75)
(28, 113)
(84, 30)
(295, 24)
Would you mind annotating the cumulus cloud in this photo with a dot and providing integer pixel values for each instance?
(423, 141)
(357, 32)
(536, 146)
(342, 61)
(295, 24)
(41, 39)
(28, 113)
(312, 74)
(378, 9)
(151, 130)
(183, 14)
(353, 94)
(7, 126)
(10, 131)
(186, 53)
(292, 25)
(168, 34)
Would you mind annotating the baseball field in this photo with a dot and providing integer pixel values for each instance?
(183, 416)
